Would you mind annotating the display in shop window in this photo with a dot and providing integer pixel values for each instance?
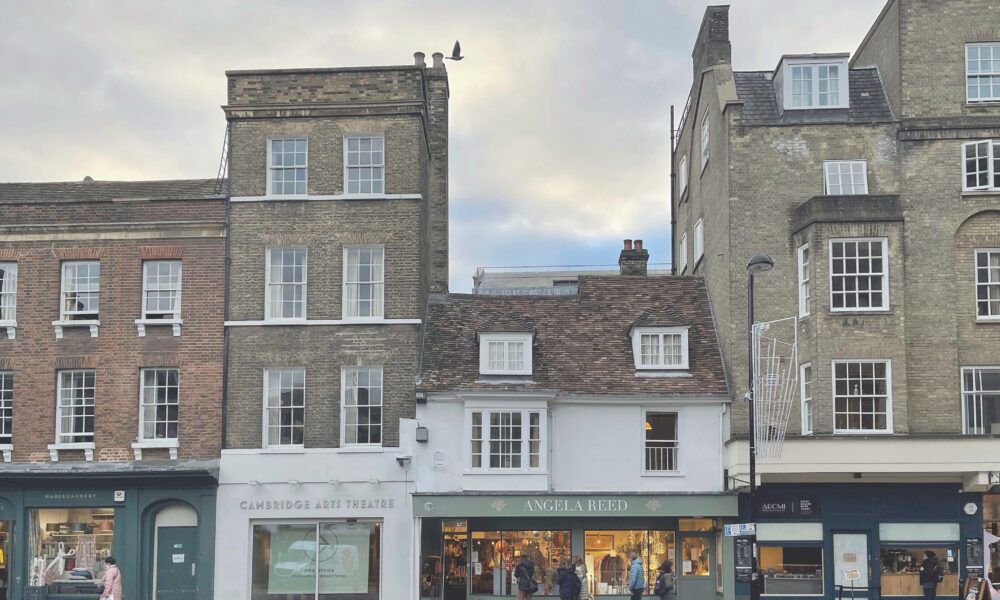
(900, 567)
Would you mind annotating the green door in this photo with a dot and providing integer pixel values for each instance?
(695, 567)
(176, 566)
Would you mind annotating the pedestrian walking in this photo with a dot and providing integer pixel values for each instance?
(581, 574)
(111, 585)
(524, 573)
(568, 582)
(636, 579)
(665, 580)
(930, 574)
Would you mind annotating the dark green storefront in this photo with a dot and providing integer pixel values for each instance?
(59, 523)
(470, 542)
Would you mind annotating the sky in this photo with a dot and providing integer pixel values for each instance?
(559, 114)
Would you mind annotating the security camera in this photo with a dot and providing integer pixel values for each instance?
(404, 461)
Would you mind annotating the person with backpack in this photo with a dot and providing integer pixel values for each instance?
(568, 582)
(581, 574)
(665, 581)
(636, 579)
(931, 574)
(524, 573)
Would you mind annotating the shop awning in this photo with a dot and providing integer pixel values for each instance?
(574, 505)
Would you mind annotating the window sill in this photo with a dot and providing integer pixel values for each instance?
(321, 197)
(982, 104)
(87, 447)
(657, 373)
(988, 320)
(861, 313)
(662, 474)
(11, 327)
(93, 324)
(315, 322)
(290, 449)
(482, 472)
(175, 324)
(171, 445)
(860, 432)
(361, 449)
(980, 193)
(6, 449)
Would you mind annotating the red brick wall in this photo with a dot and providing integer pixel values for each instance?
(118, 352)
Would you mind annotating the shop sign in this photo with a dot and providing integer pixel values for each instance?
(69, 496)
(744, 560)
(784, 508)
(574, 506)
(318, 504)
(974, 561)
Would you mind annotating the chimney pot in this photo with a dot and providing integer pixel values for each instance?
(438, 60)
(638, 245)
(628, 245)
(418, 59)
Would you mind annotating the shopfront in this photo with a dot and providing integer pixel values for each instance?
(815, 539)
(991, 523)
(471, 543)
(56, 532)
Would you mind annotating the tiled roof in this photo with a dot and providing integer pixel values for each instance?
(581, 342)
(760, 104)
(105, 191)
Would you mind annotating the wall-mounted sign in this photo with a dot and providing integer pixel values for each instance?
(784, 508)
(974, 562)
(315, 504)
(119, 495)
(566, 505)
(744, 560)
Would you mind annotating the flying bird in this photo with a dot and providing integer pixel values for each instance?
(456, 52)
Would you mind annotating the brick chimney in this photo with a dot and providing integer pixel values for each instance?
(633, 259)
(712, 46)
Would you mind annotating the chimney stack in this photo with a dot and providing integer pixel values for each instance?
(418, 59)
(633, 259)
(438, 60)
(712, 46)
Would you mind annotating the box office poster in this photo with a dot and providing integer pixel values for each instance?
(340, 558)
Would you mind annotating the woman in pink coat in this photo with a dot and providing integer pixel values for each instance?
(112, 580)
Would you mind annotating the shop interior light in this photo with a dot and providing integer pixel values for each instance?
(649, 426)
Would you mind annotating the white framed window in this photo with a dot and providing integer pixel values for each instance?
(660, 347)
(981, 165)
(699, 239)
(158, 404)
(988, 284)
(859, 274)
(805, 389)
(815, 84)
(862, 396)
(661, 445)
(505, 353)
(805, 285)
(286, 272)
(846, 177)
(364, 164)
(364, 282)
(361, 406)
(982, 72)
(81, 290)
(8, 291)
(506, 439)
(284, 407)
(704, 142)
(682, 174)
(981, 400)
(161, 289)
(6, 408)
(75, 407)
(288, 166)
(682, 249)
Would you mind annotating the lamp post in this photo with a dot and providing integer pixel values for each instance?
(758, 264)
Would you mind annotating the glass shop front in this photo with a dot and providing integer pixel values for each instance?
(475, 558)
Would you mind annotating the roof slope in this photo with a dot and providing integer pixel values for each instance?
(106, 191)
(581, 342)
(760, 103)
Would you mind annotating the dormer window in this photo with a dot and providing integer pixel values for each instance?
(815, 84)
(505, 353)
(660, 348)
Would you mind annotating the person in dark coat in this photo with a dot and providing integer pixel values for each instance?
(524, 573)
(930, 574)
(665, 580)
(568, 582)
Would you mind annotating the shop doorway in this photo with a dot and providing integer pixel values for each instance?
(455, 560)
(175, 557)
(696, 566)
(6, 557)
(851, 562)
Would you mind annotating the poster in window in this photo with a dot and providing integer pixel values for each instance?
(850, 553)
(341, 555)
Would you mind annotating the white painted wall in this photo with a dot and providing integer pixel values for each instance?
(594, 446)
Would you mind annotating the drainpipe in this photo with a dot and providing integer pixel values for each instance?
(673, 180)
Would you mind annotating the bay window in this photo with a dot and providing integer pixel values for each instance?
(862, 396)
(506, 439)
(981, 400)
(981, 165)
(805, 287)
(859, 274)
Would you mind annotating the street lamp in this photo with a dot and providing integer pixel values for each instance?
(758, 264)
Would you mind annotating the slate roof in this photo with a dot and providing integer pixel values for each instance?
(868, 103)
(581, 342)
(106, 191)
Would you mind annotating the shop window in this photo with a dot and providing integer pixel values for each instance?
(792, 570)
(696, 556)
(321, 561)
(661, 442)
(991, 523)
(495, 554)
(606, 554)
(696, 524)
(72, 543)
(900, 567)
